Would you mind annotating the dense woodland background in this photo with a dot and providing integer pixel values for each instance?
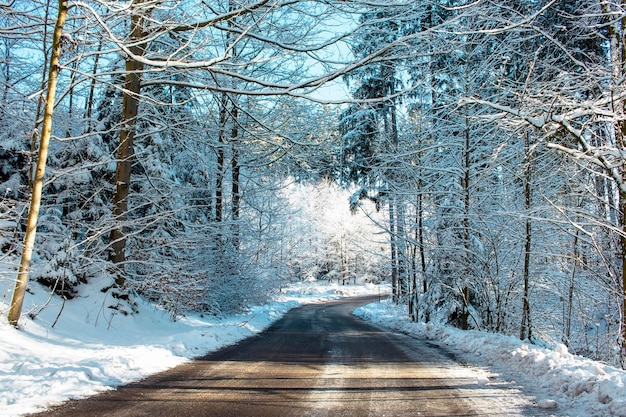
(200, 159)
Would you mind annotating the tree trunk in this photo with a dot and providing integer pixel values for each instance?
(234, 141)
(400, 243)
(621, 143)
(623, 291)
(570, 292)
(413, 289)
(130, 110)
(235, 186)
(525, 328)
(617, 49)
(466, 223)
(399, 202)
(70, 105)
(92, 88)
(40, 102)
(394, 250)
(221, 160)
(403, 279)
(420, 239)
(35, 201)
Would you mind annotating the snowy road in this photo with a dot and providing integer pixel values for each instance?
(318, 360)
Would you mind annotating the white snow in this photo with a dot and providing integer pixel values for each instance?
(561, 383)
(90, 350)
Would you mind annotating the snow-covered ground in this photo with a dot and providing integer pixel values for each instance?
(89, 350)
(568, 385)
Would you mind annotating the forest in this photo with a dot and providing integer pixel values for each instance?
(200, 154)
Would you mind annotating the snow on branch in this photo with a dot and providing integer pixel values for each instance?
(609, 159)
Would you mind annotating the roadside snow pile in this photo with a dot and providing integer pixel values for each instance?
(90, 350)
(575, 385)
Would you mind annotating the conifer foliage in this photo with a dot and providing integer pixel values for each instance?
(492, 224)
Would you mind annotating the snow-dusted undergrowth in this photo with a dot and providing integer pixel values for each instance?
(576, 386)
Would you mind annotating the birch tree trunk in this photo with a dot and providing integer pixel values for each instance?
(40, 169)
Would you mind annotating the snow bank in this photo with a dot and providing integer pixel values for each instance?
(576, 386)
(90, 350)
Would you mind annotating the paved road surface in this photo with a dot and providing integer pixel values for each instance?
(318, 360)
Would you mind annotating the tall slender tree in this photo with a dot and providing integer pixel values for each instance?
(130, 112)
(40, 170)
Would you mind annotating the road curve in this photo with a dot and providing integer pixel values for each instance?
(318, 360)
